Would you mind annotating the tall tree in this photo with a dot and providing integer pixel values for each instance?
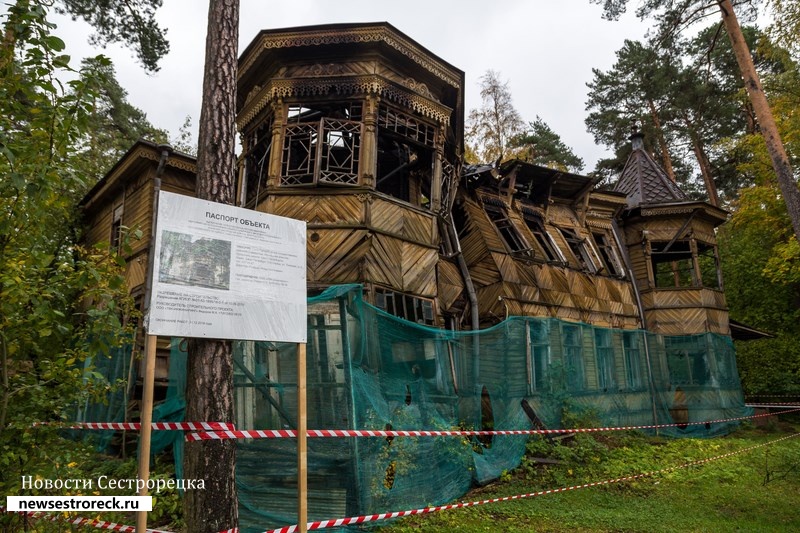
(761, 290)
(785, 25)
(45, 273)
(131, 22)
(636, 90)
(540, 145)
(114, 124)
(674, 14)
(491, 127)
(209, 391)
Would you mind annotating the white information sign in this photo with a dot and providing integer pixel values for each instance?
(225, 272)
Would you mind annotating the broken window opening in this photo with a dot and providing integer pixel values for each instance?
(510, 235)
(322, 145)
(708, 260)
(116, 229)
(673, 267)
(259, 147)
(609, 255)
(405, 157)
(579, 249)
(545, 242)
(405, 306)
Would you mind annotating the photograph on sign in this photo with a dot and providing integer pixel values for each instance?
(228, 273)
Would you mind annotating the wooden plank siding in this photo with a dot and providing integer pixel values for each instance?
(318, 209)
(335, 255)
(529, 286)
(450, 286)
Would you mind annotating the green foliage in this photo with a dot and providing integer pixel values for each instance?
(785, 25)
(183, 142)
(760, 262)
(113, 124)
(74, 460)
(726, 494)
(759, 287)
(770, 366)
(540, 145)
(131, 22)
(683, 93)
(59, 302)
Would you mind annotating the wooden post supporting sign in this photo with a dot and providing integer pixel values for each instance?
(302, 450)
(146, 419)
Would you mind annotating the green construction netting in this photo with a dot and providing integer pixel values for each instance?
(119, 371)
(370, 370)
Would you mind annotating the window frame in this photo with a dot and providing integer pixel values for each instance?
(573, 356)
(507, 230)
(312, 139)
(116, 227)
(535, 223)
(577, 245)
(421, 310)
(606, 363)
(607, 253)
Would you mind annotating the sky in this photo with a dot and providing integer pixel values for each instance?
(544, 49)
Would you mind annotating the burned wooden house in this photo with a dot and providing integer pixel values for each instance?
(611, 297)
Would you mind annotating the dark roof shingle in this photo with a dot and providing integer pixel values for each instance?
(644, 182)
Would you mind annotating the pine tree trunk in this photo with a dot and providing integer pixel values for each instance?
(702, 161)
(209, 379)
(662, 142)
(769, 129)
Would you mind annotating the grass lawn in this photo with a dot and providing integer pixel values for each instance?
(728, 494)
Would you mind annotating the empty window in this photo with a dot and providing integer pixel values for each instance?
(708, 262)
(405, 156)
(509, 233)
(536, 225)
(322, 145)
(608, 254)
(673, 266)
(411, 308)
(116, 228)
(577, 245)
(258, 146)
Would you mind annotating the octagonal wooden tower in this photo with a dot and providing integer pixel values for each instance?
(356, 129)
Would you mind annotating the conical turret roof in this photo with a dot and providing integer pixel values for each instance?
(643, 181)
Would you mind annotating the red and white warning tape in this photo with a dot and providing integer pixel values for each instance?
(793, 405)
(323, 524)
(85, 522)
(750, 397)
(321, 433)
(136, 426)
(96, 524)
